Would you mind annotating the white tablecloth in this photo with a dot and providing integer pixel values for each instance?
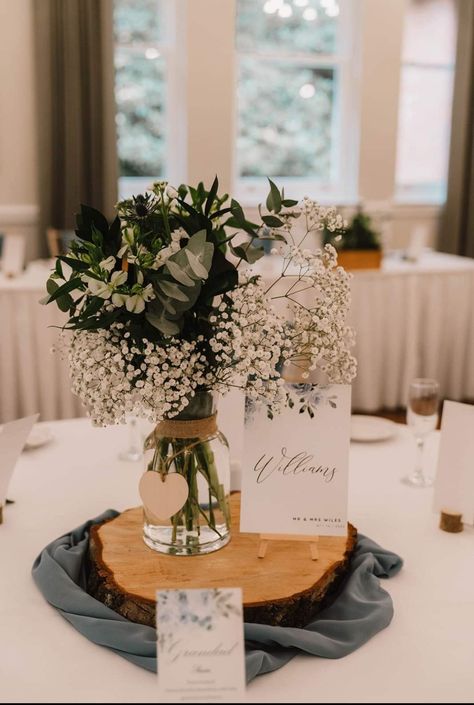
(411, 320)
(425, 655)
(32, 379)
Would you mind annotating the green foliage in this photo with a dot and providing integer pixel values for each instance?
(359, 235)
(187, 268)
(158, 267)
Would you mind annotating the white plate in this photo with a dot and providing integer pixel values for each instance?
(39, 436)
(371, 428)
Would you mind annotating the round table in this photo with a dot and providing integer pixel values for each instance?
(425, 655)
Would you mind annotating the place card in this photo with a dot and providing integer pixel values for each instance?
(295, 467)
(13, 436)
(13, 255)
(454, 484)
(201, 656)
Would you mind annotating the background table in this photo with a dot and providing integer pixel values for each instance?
(32, 378)
(425, 655)
(411, 319)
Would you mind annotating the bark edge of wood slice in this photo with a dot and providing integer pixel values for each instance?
(286, 588)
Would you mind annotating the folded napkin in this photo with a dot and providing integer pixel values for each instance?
(360, 610)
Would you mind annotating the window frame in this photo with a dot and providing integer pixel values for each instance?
(432, 193)
(173, 22)
(203, 143)
(342, 187)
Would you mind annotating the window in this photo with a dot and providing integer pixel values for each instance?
(144, 62)
(428, 62)
(293, 87)
(293, 102)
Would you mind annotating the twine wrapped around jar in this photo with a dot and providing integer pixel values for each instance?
(192, 428)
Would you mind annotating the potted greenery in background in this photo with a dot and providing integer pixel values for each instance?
(359, 245)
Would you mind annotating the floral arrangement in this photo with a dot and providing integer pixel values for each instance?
(358, 235)
(163, 302)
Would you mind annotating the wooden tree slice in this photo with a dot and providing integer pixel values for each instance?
(286, 588)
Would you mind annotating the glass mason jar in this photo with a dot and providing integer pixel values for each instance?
(191, 444)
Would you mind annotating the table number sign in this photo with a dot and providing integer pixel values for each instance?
(295, 469)
(201, 656)
(454, 485)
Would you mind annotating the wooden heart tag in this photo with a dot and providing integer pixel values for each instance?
(163, 495)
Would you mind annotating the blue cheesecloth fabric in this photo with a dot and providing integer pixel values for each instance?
(361, 609)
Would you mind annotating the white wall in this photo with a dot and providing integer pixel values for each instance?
(210, 91)
(381, 36)
(18, 160)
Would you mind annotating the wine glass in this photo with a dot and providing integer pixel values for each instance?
(135, 441)
(422, 417)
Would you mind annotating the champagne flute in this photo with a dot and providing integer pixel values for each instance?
(422, 417)
(135, 441)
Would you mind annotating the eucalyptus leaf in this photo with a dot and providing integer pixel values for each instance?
(193, 294)
(178, 273)
(198, 244)
(65, 302)
(168, 328)
(51, 286)
(172, 290)
(168, 305)
(201, 253)
(195, 264)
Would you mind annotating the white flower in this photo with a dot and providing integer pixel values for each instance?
(105, 289)
(165, 254)
(136, 302)
(97, 288)
(179, 234)
(107, 264)
(171, 192)
(128, 240)
(119, 299)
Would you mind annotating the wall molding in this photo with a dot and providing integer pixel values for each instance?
(418, 210)
(19, 214)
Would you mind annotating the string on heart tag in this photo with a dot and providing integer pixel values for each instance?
(163, 495)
